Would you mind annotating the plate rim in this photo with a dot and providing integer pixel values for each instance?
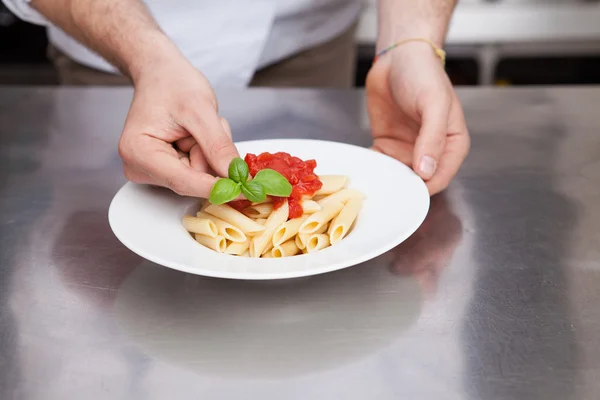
(366, 256)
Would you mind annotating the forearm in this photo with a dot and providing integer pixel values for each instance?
(122, 31)
(403, 19)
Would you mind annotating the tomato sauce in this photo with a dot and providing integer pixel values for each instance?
(240, 205)
(299, 173)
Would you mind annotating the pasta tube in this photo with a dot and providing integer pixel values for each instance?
(301, 238)
(310, 206)
(260, 242)
(317, 242)
(238, 248)
(262, 210)
(203, 226)
(225, 229)
(268, 248)
(331, 184)
(234, 217)
(287, 230)
(285, 249)
(319, 219)
(342, 196)
(216, 243)
(341, 224)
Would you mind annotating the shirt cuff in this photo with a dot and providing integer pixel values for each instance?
(24, 11)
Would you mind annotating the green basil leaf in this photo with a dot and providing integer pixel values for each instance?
(224, 190)
(254, 191)
(274, 183)
(238, 170)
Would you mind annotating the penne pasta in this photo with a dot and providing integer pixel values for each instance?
(340, 225)
(268, 248)
(331, 184)
(238, 248)
(251, 247)
(319, 219)
(234, 217)
(310, 206)
(320, 212)
(285, 249)
(261, 241)
(262, 210)
(203, 226)
(300, 242)
(225, 229)
(317, 242)
(342, 196)
(301, 239)
(217, 243)
(287, 230)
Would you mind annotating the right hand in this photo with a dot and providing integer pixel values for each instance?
(173, 135)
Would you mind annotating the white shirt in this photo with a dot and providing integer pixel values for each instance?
(228, 40)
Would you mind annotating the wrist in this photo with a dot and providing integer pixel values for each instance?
(156, 52)
(388, 37)
(403, 19)
(413, 49)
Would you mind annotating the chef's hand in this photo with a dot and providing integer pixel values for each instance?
(415, 115)
(173, 135)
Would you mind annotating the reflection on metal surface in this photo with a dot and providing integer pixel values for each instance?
(496, 297)
(429, 250)
(266, 330)
(524, 265)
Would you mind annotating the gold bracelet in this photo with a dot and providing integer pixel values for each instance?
(438, 52)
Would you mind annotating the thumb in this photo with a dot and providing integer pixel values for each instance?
(164, 168)
(431, 141)
(213, 137)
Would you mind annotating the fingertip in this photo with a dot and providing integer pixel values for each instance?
(221, 153)
(213, 135)
(199, 184)
(426, 167)
(182, 179)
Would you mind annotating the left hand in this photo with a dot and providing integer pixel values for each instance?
(415, 115)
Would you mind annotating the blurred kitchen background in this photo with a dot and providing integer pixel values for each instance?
(490, 42)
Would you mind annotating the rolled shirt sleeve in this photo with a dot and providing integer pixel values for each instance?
(23, 10)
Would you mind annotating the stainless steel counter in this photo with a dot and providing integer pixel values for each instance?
(497, 296)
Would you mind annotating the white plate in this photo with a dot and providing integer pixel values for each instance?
(148, 220)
